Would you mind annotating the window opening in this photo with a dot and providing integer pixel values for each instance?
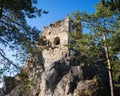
(57, 41)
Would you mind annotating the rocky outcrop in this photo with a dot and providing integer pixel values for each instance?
(1, 92)
(65, 77)
(68, 78)
(29, 79)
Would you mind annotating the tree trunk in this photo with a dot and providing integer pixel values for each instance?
(109, 66)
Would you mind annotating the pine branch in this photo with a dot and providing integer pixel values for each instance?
(2, 54)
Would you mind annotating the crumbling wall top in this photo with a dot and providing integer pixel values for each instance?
(56, 24)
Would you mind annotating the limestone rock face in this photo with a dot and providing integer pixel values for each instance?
(51, 77)
(65, 78)
(16, 91)
(29, 79)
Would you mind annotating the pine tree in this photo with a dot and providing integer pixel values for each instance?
(103, 39)
(103, 27)
(77, 38)
(15, 33)
(113, 5)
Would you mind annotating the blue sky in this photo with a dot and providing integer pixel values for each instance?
(59, 9)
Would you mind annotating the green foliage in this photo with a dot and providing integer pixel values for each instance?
(10, 83)
(76, 24)
(24, 82)
(25, 7)
(116, 71)
(102, 43)
(77, 38)
(84, 43)
(15, 33)
(113, 5)
(88, 92)
(102, 11)
(38, 92)
(117, 85)
(111, 29)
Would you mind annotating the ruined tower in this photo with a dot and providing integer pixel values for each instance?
(57, 35)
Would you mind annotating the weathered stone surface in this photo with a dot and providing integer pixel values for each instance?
(57, 36)
(66, 78)
(17, 91)
(1, 92)
(51, 77)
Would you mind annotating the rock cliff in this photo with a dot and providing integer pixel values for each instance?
(65, 77)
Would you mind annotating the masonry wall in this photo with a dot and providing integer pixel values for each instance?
(57, 35)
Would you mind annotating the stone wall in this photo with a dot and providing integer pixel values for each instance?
(57, 35)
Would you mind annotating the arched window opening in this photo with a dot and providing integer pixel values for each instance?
(57, 41)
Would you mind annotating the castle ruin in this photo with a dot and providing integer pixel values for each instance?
(57, 35)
